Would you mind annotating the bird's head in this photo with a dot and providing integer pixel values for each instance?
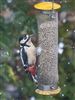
(24, 39)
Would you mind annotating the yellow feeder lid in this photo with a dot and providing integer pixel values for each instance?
(47, 6)
(50, 92)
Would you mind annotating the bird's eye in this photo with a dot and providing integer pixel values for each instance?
(25, 37)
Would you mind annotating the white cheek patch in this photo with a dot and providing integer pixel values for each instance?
(22, 41)
(27, 36)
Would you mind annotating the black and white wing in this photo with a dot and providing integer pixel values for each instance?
(24, 58)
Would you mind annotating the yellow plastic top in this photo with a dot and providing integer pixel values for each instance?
(51, 92)
(47, 6)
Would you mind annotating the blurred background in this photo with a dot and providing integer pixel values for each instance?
(18, 17)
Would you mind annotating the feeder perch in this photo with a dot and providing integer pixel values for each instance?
(47, 70)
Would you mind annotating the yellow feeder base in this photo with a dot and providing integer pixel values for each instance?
(50, 92)
(47, 6)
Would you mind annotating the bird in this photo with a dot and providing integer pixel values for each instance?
(28, 55)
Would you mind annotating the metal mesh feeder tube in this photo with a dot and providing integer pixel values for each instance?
(47, 70)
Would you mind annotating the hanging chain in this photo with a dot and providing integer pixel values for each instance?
(52, 5)
(52, 15)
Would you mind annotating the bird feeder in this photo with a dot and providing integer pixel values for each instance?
(47, 70)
